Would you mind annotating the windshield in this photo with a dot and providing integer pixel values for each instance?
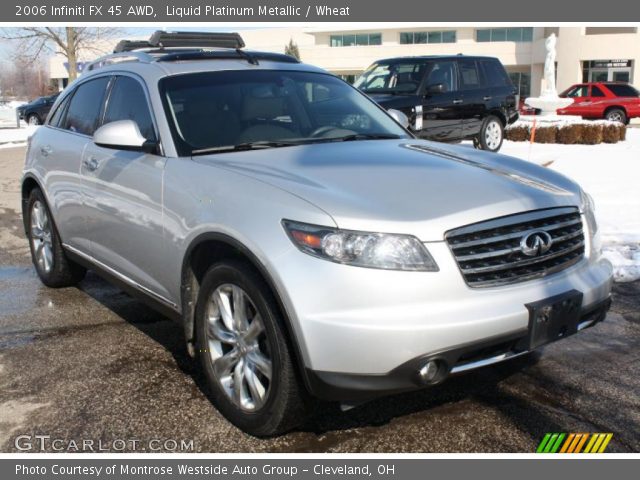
(398, 77)
(227, 110)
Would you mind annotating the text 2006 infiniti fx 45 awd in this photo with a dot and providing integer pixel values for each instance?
(309, 245)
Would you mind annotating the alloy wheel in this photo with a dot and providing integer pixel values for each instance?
(238, 347)
(493, 135)
(41, 236)
(615, 116)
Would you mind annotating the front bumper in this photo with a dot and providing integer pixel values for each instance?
(347, 388)
(365, 330)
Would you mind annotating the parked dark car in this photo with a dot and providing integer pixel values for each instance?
(446, 98)
(36, 111)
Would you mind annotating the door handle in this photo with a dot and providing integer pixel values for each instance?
(46, 150)
(91, 163)
(486, 99)
(457, 101)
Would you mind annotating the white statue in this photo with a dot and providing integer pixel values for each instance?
(550, 67)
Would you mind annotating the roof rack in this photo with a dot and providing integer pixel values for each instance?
(161, 39)
(175, 46)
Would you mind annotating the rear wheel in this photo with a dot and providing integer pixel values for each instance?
(243, 349)
(616, 115)
(53, 267)
(491, 134)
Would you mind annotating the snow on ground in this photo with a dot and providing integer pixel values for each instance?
(611, 174)
(12, 137)
(8, 113)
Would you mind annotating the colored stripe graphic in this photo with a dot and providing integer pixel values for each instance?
(582, 441)
(574, 443)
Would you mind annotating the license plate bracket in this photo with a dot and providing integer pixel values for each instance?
(554, 318)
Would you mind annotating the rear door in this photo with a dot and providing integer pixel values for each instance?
(60, 150)
(125, 194)
(474, 96)
(441, 111)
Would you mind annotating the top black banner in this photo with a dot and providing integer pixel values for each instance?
(153, 11)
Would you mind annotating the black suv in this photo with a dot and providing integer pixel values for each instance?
(446, 98)
(36, 111)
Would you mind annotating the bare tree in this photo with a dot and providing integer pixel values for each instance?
(69, 41)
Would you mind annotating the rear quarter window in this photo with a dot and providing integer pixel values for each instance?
(623, 90)
(495, 74)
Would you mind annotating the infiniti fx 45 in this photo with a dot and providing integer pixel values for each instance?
(308, 244)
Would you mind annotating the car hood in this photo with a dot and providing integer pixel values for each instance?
(404, 186)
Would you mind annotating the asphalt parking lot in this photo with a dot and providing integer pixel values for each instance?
(92, 363)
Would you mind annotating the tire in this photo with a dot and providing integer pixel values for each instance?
(269, 399)
(52, 265)
(33, 119)
(491, 134)
(616, 115)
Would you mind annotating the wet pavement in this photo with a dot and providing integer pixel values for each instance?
(90, 363)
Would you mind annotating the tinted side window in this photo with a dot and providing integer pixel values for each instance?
(129, 102)
(578, 91)
(443, 72)
(596, 92)
(623, 90)
(469, 77)
(59, 113)
(494, 74)
(85, 106)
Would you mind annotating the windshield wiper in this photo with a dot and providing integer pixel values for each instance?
(365, 136)
(243, 146)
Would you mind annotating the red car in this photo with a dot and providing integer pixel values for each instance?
(614, 101)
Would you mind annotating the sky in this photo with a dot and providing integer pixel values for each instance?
(7, 48)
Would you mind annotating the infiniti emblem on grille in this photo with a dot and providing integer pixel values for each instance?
(536, 243)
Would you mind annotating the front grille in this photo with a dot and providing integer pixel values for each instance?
(489, 253)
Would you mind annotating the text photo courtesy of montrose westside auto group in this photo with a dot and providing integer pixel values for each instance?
(320, 238)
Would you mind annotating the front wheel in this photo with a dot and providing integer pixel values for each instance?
(33, 119)
(244, 352)
(491, 135)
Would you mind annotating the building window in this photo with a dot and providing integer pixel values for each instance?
(349, 78)
(360, 39)
(409, 38)
(517, 34)
(522, 81)
(609, 30)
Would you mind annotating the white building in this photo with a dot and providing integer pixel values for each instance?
(583, 53)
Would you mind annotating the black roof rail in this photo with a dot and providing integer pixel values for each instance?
(251, 57)
(130, 45)
(161, 39)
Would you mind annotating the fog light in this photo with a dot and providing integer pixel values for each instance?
(429, 371)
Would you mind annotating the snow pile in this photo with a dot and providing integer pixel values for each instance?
(8, 113)
(13, 137)
(611, 174)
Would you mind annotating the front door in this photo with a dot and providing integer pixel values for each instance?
(125, 196)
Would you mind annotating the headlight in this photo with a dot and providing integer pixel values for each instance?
(362, 249)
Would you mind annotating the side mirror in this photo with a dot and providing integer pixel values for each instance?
(399, 117)
(435, 89)
(123, 135)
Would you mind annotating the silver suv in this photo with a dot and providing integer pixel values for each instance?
(309, 245)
